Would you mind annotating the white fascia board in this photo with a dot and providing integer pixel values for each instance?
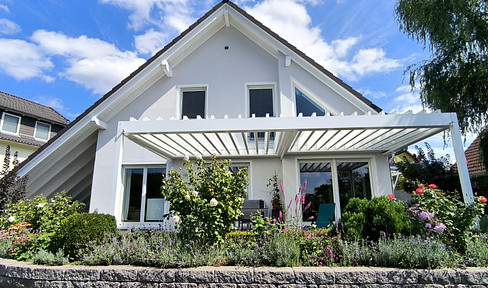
(272, 45)
(438, 120)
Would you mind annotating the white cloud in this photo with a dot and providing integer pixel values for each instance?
(374, 94)
(23, 60)
(150, 42)
(93, 63)
(290, 20)
(4, 8)
(8, 27)
(55, 103)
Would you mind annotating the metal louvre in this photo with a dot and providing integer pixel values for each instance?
(279, 136)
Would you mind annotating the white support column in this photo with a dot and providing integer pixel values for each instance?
(335, 189)
(291, 182)
(117, 193)
(462, 166)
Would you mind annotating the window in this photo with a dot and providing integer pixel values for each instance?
(353, 180)
(193, 103)
(42, 131)
(10, 123)
(306, 106)
(260, 104)
(143, 201)
(236, 167)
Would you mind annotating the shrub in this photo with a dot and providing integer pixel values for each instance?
(318, 248)
(207, 200)
(44, 257)
(449, 210)
(41, 213)
(368, 219)
(77, 230)
(476, 251)
(355, 253)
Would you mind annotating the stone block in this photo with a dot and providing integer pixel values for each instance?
(217, 285)
(156, 275)
(396, 276)
(235, 275)
(314, 275)
(354, 275)
(297, 286)
(254, 285)
(270, 275)
(474, 276)
(439, 276)
(81, 274)
(52, 284)
(118, 274)
(196, 275)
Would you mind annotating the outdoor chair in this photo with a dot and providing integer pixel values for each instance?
(326, 215)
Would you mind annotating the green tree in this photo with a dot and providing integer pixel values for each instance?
(455, 79)
(12, 187)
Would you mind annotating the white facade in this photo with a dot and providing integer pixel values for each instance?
(225, 55)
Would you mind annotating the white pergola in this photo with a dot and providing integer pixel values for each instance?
(281, 136)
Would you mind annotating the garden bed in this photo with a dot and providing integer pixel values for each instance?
(21, 274)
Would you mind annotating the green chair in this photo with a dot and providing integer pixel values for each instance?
(326, 215)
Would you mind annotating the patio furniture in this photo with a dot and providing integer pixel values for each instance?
(326, 215)
(250, 208)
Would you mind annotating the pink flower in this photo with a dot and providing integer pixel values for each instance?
(432, 186)
(303, 198)
(308, 206)
(311, 218)
(305, 184)
(391, 196)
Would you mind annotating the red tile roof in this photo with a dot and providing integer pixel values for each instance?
(475, 165)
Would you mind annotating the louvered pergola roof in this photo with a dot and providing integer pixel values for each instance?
(282, 136)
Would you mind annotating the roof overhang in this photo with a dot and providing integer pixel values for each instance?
(282, 136)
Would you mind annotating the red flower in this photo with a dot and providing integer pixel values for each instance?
(483, 199)
(420, 190)
(391, 196)
(432, 186)
(422, 187)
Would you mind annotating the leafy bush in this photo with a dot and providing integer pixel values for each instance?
(368, 219)
(476, 253)
(77, 230)
(318, 248)
(44, 257)
(41, 213)
(207, 200)
(449, 210)
(356, 253)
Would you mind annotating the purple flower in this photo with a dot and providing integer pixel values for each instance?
(428, 226)
(439, 228)
(425, 216)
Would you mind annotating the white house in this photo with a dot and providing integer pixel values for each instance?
(231, 87)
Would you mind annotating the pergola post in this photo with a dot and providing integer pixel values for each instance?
(462, 165)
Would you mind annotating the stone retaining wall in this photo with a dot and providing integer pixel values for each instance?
(19, 274)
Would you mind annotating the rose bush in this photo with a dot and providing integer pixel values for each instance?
(206, 201)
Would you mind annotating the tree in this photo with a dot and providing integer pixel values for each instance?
(455, 79)
(12, 187)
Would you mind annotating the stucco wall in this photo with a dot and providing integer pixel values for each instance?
(17, 274)
(24, 150)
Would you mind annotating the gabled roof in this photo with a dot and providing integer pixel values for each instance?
(176, 41)
(475, 165)
(23, 106)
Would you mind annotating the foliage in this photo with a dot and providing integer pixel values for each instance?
(368, 219)
(275, 193)
(12, 187)
(448, 209)
(356, 253)
(44, 257)
(476, 251)
(207, 200)
(318, 248)
(41, 213)
(428, 169)
(455, 79)
(77, 230)
(412, 252)
(483, 146)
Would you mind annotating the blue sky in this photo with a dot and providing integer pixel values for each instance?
(67, 54)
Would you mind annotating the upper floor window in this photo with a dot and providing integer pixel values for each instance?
(42, 131)
(261, 102)
(10, 123)
(193, 103)
(307, 106)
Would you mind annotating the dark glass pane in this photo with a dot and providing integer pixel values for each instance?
(306, 106)
(354, 181)
(154, 198)
(193, 104)
(319, 187)
(133, 194)
(261, 102)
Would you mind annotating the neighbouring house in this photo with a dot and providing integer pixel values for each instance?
(228, 86)
(475, 164)
(25, 125)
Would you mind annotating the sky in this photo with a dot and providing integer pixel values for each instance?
(68, 54)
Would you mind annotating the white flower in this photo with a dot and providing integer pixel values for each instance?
(186, 158)
(11, 219)
(198, 156)
(194, 193)
(176, 218)
(213, 202)
(40, 205)
(187, 197)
